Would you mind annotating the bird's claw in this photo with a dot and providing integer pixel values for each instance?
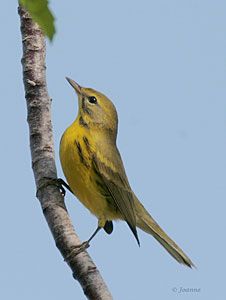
(76, 250)
(58, 182)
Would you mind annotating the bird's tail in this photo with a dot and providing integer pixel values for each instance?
(148, 224)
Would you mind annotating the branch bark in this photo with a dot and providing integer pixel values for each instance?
(43, 163)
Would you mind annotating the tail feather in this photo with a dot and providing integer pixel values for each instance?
(148, 224)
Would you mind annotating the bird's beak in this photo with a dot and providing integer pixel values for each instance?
(75, 85)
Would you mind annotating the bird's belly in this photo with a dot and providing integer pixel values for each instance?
(78, 172)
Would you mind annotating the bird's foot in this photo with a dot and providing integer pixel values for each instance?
(76, 250)
(58, 182)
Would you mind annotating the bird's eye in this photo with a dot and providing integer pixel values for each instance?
(92, 100)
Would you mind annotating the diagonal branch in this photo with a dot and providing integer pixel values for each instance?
(43, 164)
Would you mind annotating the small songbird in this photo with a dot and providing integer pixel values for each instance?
(95, 173)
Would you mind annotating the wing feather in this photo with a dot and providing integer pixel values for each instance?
(118, 189)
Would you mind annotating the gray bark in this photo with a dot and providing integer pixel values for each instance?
(43, 163)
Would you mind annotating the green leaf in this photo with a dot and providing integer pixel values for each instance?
(41, 14)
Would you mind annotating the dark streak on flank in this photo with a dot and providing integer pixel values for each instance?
(87, 144)
(83, 123)
(82, 160)
(85, 109)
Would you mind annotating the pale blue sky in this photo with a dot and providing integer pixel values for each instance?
(163, 65)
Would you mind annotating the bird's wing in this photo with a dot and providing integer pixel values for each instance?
(113, 179)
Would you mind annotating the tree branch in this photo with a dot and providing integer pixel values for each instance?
(43, 163)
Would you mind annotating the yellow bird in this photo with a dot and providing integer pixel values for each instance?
(95, 173)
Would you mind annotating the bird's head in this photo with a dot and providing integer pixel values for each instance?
(95, 109)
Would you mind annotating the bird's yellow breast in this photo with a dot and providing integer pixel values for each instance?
(76, 162)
